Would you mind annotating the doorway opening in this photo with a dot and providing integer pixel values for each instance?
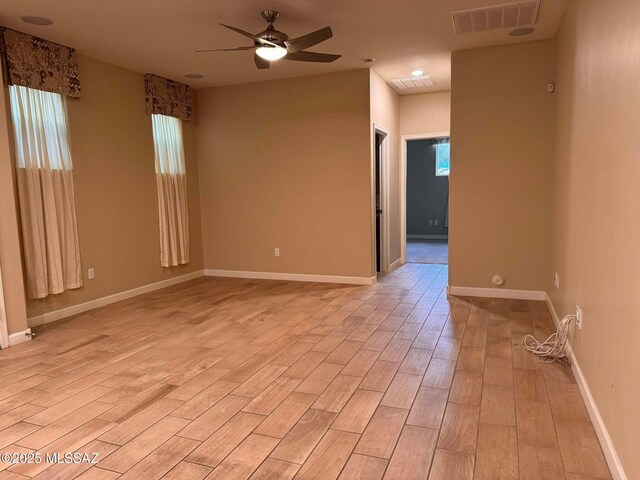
(378, 167)
(380, 197)
(426, 199)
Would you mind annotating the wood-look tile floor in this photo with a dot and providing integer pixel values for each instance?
(233, 379)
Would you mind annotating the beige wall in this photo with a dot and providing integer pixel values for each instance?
(286, 163)
(116, 202)
(501, 149)
(425, 113)
(385, 112)
(595, 221)
(10, 259)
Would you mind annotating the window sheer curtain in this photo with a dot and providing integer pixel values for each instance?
(45, 188)
(171, 180)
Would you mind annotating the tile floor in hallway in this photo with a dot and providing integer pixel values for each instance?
(234, 379)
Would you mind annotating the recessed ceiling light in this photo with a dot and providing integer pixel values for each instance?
(36, 20)
(194, 75)
(519, 32)
(369, 60)
(417, 73)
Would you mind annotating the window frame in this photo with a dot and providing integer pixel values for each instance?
(440, 170)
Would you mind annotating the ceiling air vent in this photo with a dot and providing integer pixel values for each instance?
(508, 15)
(413, 82)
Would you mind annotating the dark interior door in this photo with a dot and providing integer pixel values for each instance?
(378, 169)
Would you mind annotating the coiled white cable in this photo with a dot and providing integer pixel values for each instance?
(553, 348)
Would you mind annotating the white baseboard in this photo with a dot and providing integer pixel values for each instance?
(293, 277)
(497, 293)
(609, 450)
(19, 337)
(428, 237)
(109, 299)
(395, 265)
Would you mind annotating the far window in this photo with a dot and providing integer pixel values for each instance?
(442, 159)
(171, 180)
(167, 139)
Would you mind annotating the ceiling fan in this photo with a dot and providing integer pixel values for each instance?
(271, 44)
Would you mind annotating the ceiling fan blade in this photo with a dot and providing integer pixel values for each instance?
(250, 35)
(261, 63)
(309, 40)
(225, 49)
(311, 57)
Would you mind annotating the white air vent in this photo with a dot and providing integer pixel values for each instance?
(413, 82)
(509, 15)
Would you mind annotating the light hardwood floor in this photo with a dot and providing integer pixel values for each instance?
(233, 379)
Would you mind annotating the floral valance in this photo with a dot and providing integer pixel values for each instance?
(166, 97)
(36, 63)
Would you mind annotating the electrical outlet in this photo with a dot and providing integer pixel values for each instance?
(436, 222)
(556, 281)
(578, 317)
(91, 273)
(430, 222)
(277, 252)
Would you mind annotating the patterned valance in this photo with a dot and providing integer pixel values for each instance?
(36, 63)
(166, 97)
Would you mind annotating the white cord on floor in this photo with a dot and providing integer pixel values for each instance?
(553, 348)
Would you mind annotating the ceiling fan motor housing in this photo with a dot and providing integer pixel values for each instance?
(271, 34)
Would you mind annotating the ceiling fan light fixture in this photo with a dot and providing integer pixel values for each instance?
(271, 53)
(417, 73)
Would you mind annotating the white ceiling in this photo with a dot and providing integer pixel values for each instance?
(161, 36)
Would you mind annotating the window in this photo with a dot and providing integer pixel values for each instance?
(171, 180)
(442, 159)
(167, 139)
(45, 191)
(40, 126)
